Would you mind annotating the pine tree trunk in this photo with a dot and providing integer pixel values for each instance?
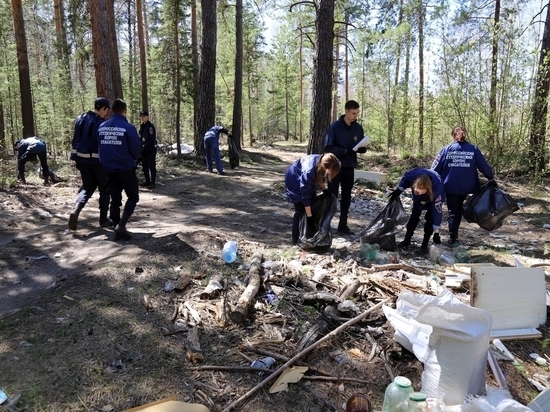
(142, 56)
(27, 111)
(238, 97)
(493, 129)
(177, 96)
(113, 49)
(421, 76)
(206, 114)
(101, 49)
(322, 76)
(194, 59)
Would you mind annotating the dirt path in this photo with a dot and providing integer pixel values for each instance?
(37, 251)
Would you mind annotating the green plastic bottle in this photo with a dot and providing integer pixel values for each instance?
(396, 398)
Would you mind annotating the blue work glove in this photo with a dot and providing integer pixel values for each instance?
(395, 194)
(437, 239)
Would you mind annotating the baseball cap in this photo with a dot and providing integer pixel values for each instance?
(144, 113)
(101, 102)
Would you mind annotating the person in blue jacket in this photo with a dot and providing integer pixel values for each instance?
(458, 164)
(427, 194)
(302, 180)
(148, 134)
(119, 149)
(85, 153)
(27, 150)
(212, 144)
(341, 138)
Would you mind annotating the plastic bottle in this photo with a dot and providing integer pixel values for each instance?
(358, 403)
(396, 398)
(264, 363)
(461, 255)
(439, 254)
(369, 251)
(229, 252)
(446, 259)
(417, 402)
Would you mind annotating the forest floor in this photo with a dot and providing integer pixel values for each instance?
(90, 324)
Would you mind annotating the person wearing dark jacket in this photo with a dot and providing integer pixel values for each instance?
(119, 149)
(341, 139)
(27, 150)
(458, 165)
(148, 135)
(302, 180)
(427, 194)
(85, 153)
(212, 144)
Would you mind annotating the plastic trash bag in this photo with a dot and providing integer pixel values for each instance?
(489, 207)
(383, 228)
(234, 157)
(323, 209)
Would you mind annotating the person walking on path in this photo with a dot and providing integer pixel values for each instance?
(148, 135)
(427, 194)
(342, 137)
(27, 150)
(458, 164)
(85, 153)
(302, 180)
(212, 144)
(119, 149)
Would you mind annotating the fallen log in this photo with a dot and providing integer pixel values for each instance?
(394, 266)
(304, 352)
(239, 314)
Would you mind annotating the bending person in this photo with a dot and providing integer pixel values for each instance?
(302, 180)
(428, 195)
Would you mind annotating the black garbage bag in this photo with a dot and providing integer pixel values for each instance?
(323, 209)
(383, 228)
(489, 207)
(234, 157)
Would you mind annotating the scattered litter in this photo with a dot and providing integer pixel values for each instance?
(116, 366)
(3, 397)
(36, 257)
(25, 344)
(67, 297)
(58, 255)
(546, 226)
(264, 363)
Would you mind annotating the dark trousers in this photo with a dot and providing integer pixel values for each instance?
(415, 219)
(454, 205)
(149, 165)
(25, 157)
(93, 177)
(118, 181)
(344, 179)
(299, 210)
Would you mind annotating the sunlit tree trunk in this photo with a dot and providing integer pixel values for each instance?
(322, 76)
(421, 76)
(177, 92)
(335, 79)
(142, 56)
(301, 81)
(194, 59)
(113, 48)
(537, 157)
(27, 112)
(406, 74)
(101, 49)
(238, 93)
(206, 114)
(393, 105)
(493, 129)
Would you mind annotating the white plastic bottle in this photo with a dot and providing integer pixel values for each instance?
(396, 398)
(229, 252)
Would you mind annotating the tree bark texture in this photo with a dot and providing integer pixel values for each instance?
(142, 57)
(206, 114)
(421, 75)
(194, 59)
(101, 49)
(537, 157)
(27, 111)
(492, 144)
(239, 314)
(177, 75)
(322, 76)
(113, 49)
(238, 96)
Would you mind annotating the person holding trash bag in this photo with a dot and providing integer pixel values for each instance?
(342, 139)
(29, 149)
(302, 180)
(427, 194)
(458, 164)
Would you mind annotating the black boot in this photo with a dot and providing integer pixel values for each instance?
(405, 242)
(120, 230)
(73, 218)
(453, 240)
(343, 226)
(104, 221)
(424, 246)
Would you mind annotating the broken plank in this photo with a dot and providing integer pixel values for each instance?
(510, 334)
(375, 176)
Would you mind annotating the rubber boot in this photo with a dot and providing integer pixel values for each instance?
(424, 246)
(73, 218)
(47, 181)
(405, 242)
(120, 230)
(453, 240)
(343, 226)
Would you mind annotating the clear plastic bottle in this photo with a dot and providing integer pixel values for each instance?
(229, 252)
(396, 398)
(461, 255)
(417, 402)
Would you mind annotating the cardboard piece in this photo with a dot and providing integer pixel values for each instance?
(515, 297)
(170, 405)
(289, 375)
